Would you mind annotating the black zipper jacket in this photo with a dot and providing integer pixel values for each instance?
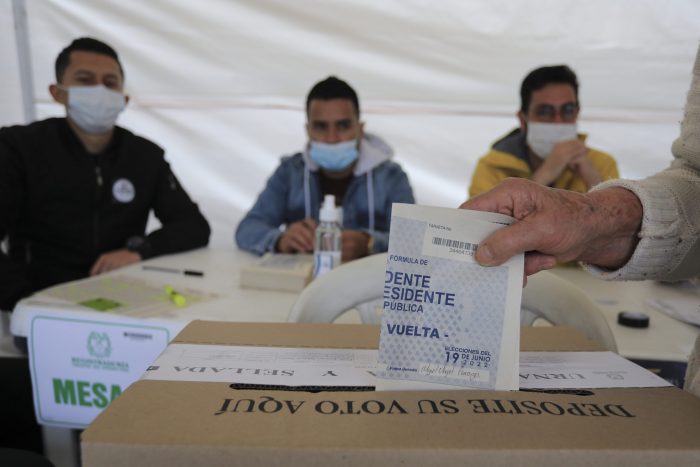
(61, 207)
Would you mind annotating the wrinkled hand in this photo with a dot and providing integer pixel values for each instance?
(114, 260)
(354, 244)
(583, 167)
(563, 154)
(558, 226)
(298, 238)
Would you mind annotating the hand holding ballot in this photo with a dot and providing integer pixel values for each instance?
(447, 321)
(558, 225)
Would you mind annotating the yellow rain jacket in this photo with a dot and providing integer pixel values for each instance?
(509, 158)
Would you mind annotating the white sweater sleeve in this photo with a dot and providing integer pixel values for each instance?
(669, 245)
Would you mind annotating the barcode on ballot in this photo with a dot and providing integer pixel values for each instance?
(448, 242)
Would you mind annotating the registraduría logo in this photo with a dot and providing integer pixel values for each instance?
(99, 345)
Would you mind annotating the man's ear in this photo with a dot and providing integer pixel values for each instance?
(126, 99)
(59, 95)
(361, 133)
(522, 120)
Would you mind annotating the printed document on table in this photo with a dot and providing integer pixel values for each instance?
(447, 322)
(683, 308)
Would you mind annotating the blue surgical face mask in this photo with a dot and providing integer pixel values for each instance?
(334, 157)
(94, 108)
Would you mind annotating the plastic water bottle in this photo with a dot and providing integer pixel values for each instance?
(327, 247)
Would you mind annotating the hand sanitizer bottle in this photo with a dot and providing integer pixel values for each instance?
(327, 247)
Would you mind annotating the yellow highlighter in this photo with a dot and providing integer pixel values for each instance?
(178, 299)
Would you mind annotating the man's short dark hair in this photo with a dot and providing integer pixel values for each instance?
(84, 44)
(540, 77)
(333, 88)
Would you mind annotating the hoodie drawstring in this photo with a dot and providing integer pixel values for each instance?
(307, 192)
(370, 201)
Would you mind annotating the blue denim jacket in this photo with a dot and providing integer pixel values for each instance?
(293, 192)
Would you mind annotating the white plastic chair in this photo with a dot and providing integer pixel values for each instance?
(560, 302)
(359, 285)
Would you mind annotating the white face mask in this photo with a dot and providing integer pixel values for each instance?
(94, 108)
(541, 137)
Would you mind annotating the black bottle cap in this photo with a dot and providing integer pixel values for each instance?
(633, 319)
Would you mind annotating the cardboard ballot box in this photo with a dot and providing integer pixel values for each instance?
(184, 423)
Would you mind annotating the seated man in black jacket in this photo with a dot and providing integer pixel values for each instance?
(76, 192)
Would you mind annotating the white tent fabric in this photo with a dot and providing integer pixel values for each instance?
(221, 84)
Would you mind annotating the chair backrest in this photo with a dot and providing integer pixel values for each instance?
(359, 285)
(558, 301)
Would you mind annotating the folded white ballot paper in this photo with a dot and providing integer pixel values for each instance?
(347, 368)
(447, 322)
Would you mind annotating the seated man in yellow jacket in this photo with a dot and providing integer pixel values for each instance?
(547, 147)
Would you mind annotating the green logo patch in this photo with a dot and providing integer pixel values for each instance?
(100, 304)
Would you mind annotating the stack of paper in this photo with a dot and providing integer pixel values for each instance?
(447, 321)
(125, 295)
(276, 271)
(685, 307)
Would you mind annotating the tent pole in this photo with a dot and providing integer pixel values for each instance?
(19, 13)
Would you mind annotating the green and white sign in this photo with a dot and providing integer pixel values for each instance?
(80, 365)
